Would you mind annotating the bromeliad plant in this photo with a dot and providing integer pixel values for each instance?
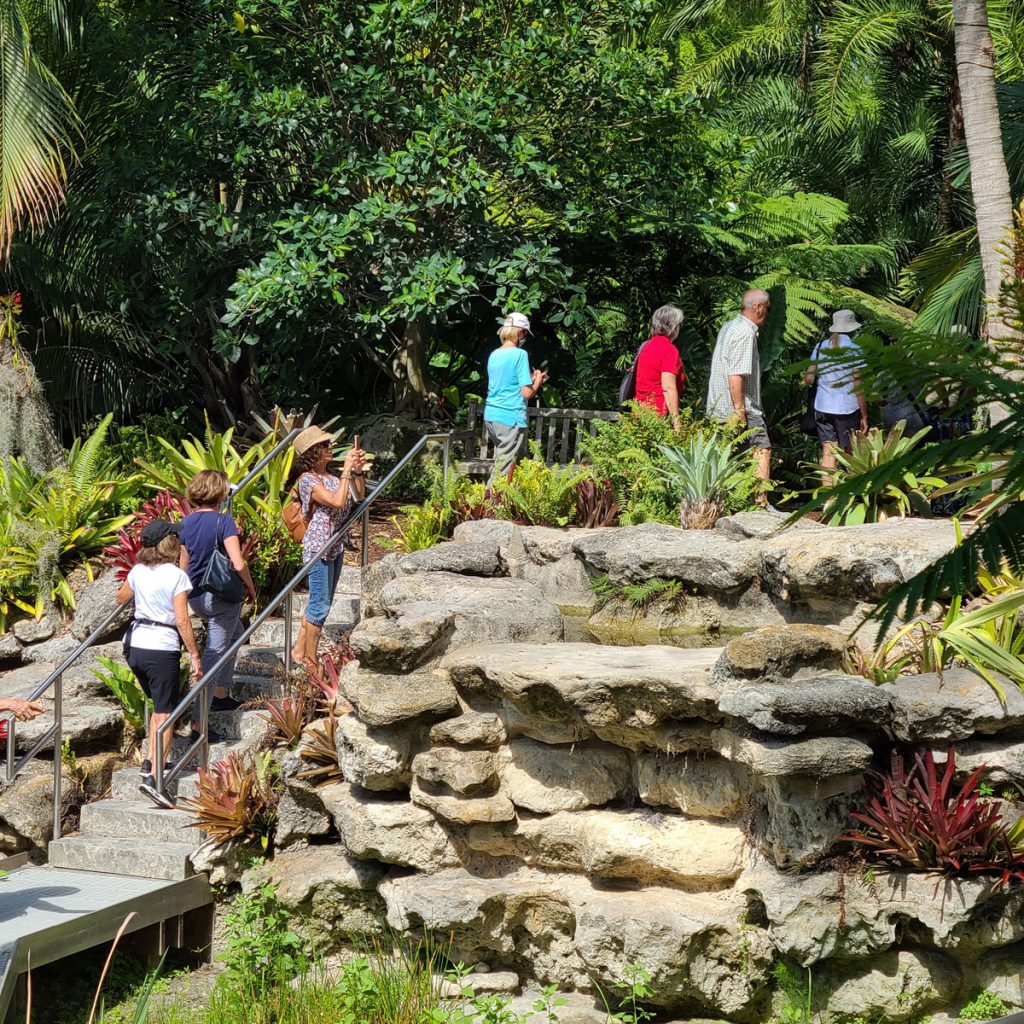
(921, 819)
(904, 494)
(319, 750)
(237, 799)
(286, 719)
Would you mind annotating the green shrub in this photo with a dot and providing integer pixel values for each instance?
(274, 557)
(538, 494)
(984, 1006)
(121, 681)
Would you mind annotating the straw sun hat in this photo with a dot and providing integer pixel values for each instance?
(309, 437)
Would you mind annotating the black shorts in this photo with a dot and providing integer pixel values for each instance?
(836, 428)
(756, 431)
(158, 673)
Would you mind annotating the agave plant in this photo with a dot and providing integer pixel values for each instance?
(236, 799)
(702, 473)
(905, 494)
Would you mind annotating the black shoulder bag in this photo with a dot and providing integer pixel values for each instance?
(220, 578)
(627, 389)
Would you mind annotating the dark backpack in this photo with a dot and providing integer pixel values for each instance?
(627, 389)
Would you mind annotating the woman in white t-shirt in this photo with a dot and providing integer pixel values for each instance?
(160, 625)
(840, 408)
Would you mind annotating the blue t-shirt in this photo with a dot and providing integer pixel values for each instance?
(200, 532)
(508, 372)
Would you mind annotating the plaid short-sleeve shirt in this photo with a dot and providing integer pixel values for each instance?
(735, 355)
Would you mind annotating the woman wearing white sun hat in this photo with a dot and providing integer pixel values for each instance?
(840, 408)
(510, 385)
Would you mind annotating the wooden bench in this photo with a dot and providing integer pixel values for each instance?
(557, 431)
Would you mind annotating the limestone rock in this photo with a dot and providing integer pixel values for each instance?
(545, 779)
(470, 729)
(760, 524)
(382, 699)
(899, 985)
(545, 557)
(375, 577)
(703, 786)
(393, 831)
(96, 601)
(639, 846)
(620, 694)
(224, 863)
(852, 563)
(26, 810)
(55, 650)
(300, 811)
(403, 640)
(376, 759)
(483, 983)
(703, 559)
(488, 534)
(483, 610)
(10, 647)
(1001, 972)
(823, 757)
(831, 704)
(930, 708)
(332, 893)
(461, 770)
(776, 653)
(29, 631)
(463, 810)
(1003, 760)
(572, 1007)
(464, 557)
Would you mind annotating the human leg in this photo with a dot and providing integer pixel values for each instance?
(761, 447)
(223, 627)
(158, 674)
(509, 443)
(321, 589)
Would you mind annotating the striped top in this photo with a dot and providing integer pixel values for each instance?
(735, 355)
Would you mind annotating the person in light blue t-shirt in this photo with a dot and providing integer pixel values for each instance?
(510, 385)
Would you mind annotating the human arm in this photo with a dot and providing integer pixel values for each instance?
(125, 592)
(739, 404)
(862, 402)
(339, 499)
(537, 379)
(184, 624)
(24, 710)
(233, 549)
(183, 558)
(670, 389)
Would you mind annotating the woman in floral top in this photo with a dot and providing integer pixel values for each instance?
(324, 499)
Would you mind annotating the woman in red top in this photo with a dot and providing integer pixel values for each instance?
(659, 370)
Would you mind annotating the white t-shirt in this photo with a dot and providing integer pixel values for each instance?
(835, 393)
(155, 587)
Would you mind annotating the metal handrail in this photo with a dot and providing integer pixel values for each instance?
(14, 765)
(362, 511)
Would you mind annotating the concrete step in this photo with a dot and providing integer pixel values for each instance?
(125, 785)
(344, 614)
(258, 661)
(239, 725)
(247, 688)
(142, 859)
(138, 819)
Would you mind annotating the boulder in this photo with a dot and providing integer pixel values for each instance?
(300, 811)
(382, 699)
(224, 863)
(638, 846)
(1001, 972)
(759, 524)
(96, 601)
(542, 778)
(830, 704)
(401, 641)
(462, 770)
(375, 759)
(545, 557)
(26, 810)
(704, 786)
(852, 563)
(898, 985)
(488, 534)
(483, 610)
(705, 560)
(820, 758)
(462, 810)
(393, 831)
(54, 650)
(463, 557)
(620, 694)
(375, 577)
(31, 631)
(470, 729)
(1003, 760)
(332, 894)
(566, 931)
(955, 705)
(10, 647)
(778, 653)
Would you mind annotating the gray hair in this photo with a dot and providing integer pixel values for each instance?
(755, 297)
(667, 320)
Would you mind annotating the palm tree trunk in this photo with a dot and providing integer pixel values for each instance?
(990, 183)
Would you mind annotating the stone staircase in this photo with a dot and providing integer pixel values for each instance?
(125, 834)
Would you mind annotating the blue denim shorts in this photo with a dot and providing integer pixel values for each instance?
(323, 581)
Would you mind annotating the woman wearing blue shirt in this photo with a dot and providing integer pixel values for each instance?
(510, 385)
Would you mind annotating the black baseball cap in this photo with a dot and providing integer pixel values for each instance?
(154, 532)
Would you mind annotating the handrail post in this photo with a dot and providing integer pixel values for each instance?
(364, 554)
(8, 717)
(204, 730)
(288, 635)
(445, 459)
(58, 742)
